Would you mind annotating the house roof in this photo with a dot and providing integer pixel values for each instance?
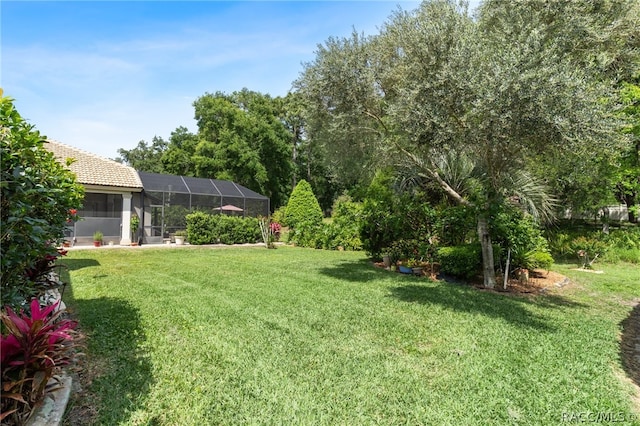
(91, 169)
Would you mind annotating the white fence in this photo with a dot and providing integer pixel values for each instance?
(619, 213)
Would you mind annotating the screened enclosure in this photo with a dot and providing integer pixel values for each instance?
(167, 199)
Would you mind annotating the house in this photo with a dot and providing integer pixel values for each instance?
(110, 188)
(115, 192)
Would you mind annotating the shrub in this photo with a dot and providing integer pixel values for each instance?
(379, 223)
(308, 234)
(456, 225)
(519, 232)
(538, 259)
(34, 348)
(342, 232)
(200, 228)
(344, 229)
(588, 249)
(463, 261)
(388, 217)
(204, 228)
(412, 249)
(38, 194)
(276, 230)
(623, 255)
(621, 244)
(279, 215)
(303, 206)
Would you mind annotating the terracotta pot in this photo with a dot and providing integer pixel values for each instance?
(97, 243)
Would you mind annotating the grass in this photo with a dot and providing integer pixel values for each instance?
(198, 336)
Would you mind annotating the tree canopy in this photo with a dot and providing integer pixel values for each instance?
(242, 138)
(145, 157)
(519, 83)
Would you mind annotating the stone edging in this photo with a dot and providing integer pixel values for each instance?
(50, 410)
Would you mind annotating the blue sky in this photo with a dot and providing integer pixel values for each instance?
(104, 75)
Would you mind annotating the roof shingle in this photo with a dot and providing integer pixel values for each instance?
(91, 169)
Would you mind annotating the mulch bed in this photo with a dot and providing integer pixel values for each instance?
(540, 281)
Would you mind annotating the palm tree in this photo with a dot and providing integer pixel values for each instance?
(470, 182)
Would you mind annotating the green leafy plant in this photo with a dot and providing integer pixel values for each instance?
(42, 274)
(519, 232)
(39, 196)
(204, 228)
(588, 250)
(388, 217)
(34, 348)
(279, 215)
(621, 244)
(341, 233)
(307, 234)
(98, 236)
(463, 261)
(134, 223)
(536, 259)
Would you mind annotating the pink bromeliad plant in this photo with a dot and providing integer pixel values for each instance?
(33, 349)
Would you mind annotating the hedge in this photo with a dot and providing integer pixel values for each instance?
(205, 228)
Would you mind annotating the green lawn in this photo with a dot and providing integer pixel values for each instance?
(198, 336)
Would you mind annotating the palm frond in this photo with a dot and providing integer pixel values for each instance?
(531, 195)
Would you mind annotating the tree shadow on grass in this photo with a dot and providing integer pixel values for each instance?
(357, 271)
(75, 264)
(630, 344)
(116, 373)
(456, 295)
(468, 299)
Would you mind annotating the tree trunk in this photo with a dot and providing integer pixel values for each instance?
(294, 157)
(630, 200)
(488, 270)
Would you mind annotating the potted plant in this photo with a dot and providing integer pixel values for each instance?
(180, 236)
(415, 265)
(404, 269)
(97, 238)
(134, 223)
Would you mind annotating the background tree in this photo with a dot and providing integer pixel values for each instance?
(309, 159)
(501, 90)
(145, 157)
(628, 177)
(242, 138)
(177, 159)
(343, 99)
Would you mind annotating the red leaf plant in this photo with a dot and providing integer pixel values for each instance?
(275, 230)
(32, 351)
